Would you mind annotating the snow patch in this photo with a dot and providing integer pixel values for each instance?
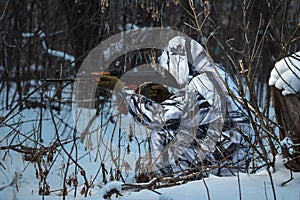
(52, 52)
(288, 144)
(117, 185)
(165, 197)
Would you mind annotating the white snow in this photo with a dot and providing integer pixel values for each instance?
(165, 197)
(249, 186)
(286, 74)
(61, 54)
(288, 144)
(254, 186)
(52, 52)
(18, 177)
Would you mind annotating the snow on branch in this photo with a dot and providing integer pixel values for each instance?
(288, 144)
(56, 53)
(110, 188)
(286, 74)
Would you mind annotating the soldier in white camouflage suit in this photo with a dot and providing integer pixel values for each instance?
(198, 126)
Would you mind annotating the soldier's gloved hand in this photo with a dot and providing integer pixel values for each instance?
(110, 83)
(155, 92)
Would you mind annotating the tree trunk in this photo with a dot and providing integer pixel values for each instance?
(287, 111)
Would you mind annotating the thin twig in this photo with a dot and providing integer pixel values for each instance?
(5, 8)
(206, 188)
(70, 156)
(239, 185)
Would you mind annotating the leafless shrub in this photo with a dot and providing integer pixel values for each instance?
(247, 43)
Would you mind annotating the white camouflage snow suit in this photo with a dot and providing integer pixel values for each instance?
(199, 125)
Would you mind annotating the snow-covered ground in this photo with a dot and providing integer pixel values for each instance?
(248, 187)
(244, 186)
(19, 178)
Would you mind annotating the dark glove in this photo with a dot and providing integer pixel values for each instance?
(154, 91)
(110, 83)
